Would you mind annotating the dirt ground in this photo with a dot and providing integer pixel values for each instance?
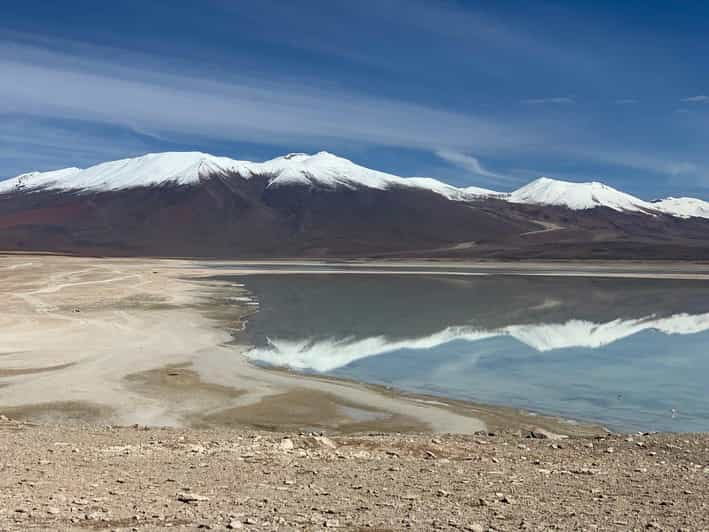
(109, 478)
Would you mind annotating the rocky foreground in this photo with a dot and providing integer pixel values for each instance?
(108, 478)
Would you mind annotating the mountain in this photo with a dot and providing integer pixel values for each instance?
(683, 207)
(577, 196)
(196, 204)
(322, 170)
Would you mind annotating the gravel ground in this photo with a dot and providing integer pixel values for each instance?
(117, 478)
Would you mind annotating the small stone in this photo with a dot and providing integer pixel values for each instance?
(325, 442)
(234, 524)
(251, 521)
(52, 511)
(287, 444)
(430, 454)
(191, 498)
(543, 434)
(332, 523)
(475, 527)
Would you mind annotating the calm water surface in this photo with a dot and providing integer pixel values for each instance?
(631, 354)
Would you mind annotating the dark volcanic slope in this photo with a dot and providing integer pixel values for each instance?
(230, 217)
(233, 217)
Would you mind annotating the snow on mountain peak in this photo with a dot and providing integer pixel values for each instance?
(328, 171)
(181, 168)
(577, 196)
(683, 207)
(322, 170)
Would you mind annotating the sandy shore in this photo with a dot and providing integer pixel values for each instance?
(140, 341)
(104, 478)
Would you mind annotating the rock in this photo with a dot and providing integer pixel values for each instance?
(234, 524)
(475, 527)
(325, 442)
(191, 498)
(4, 418)
(430, 454)
(543, 434)
(52, 511)
(287, 444)
(319, 441)
(251, 521)
(332, 523)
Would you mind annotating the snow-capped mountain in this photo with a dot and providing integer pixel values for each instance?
(683, 207)
(328, 171)
(322, 170)
(196, 204)
(577, 196)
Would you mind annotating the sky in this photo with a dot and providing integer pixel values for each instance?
(492, 94)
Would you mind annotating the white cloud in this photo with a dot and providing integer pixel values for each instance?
(246, 109)
(470, 164)
(557, 100)
(702, 98)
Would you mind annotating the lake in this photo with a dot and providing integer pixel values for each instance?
(632, 354)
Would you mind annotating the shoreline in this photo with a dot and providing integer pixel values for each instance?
(137, 320)
(336, 455)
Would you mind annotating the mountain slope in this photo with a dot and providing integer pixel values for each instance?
(195, 204)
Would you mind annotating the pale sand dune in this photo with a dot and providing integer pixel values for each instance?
(73, 330)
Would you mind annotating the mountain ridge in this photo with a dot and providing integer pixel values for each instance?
(191, 204)
(328, 171)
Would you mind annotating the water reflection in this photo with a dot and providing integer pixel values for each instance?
(622, 352)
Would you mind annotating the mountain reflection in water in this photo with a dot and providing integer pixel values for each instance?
(624, 352)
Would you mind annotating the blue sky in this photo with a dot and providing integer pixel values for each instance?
(475, 93)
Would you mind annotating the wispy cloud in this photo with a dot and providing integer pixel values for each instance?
(701, 98)
(250, 109)
(556, 100)
(472, 165)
